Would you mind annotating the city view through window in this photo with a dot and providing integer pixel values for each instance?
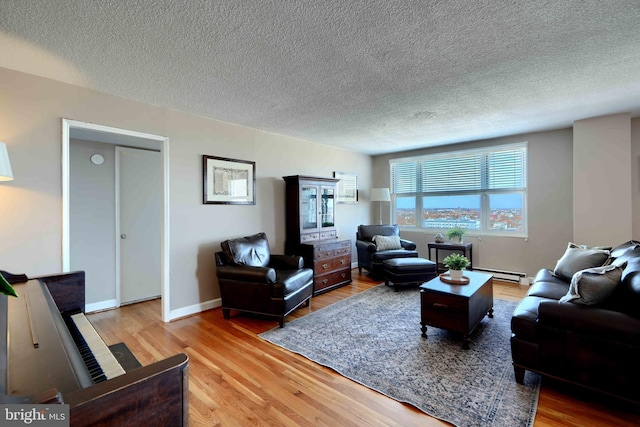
(465, 211)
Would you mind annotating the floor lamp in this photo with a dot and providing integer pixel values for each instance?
(6, 174)
(380, 195)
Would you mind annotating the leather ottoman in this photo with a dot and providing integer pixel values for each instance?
(403, 271)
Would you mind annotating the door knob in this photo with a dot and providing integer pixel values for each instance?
(123, 236)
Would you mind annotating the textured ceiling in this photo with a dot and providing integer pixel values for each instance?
(370, 76)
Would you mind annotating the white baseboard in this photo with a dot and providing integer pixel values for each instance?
(173, 315)
(100, 306)
(195, 308)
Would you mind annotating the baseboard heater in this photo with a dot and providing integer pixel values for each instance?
(509, 276)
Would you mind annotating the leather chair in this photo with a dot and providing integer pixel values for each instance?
(253, 280)
(370, 257)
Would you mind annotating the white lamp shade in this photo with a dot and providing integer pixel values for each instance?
(380, 195)
(6, 174)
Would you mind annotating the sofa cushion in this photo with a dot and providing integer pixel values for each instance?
(623, 248)
(593, 285)
(385, 243)
(576, 259)
(379, 257)
(626, 296)
(546, 285)
(576, 245)
(252, 251)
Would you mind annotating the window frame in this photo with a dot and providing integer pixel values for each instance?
(484, 192)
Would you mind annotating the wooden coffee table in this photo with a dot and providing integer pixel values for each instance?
(457, 308)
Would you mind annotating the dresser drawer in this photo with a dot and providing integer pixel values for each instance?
(325, 250)
(331, 279)
(310, 237)
(323, 266)
(319, 254)
(344, 250)
(326, 235)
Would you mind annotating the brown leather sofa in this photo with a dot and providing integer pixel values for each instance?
(371, 257)
(594, 346)
(254, 280)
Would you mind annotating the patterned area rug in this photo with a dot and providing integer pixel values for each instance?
(374, 339)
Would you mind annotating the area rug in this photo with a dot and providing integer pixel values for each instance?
(374, 338)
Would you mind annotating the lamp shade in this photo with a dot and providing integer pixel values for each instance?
(6, 174)
(380, 195)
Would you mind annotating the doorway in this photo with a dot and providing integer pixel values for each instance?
(76, 130)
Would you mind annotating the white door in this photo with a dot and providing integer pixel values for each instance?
(139, 223)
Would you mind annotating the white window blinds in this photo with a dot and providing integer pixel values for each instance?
(507, 169)
(490, 169)
(403, 177)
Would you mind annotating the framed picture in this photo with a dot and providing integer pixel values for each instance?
(347, 187)
(228, 181)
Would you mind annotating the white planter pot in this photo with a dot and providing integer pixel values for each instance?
(455, 274)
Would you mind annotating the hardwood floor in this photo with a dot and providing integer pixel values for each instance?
(237, 379)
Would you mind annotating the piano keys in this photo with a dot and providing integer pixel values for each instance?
(50, 351)
(97, 357)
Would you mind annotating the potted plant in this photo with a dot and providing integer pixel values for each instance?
(6, 288)
(455, 234)
(456, 263)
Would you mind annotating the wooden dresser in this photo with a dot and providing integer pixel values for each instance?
(331, 263)
(311, 231)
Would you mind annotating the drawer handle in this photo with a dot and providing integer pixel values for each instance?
(325, 281)
(325, 265)
(440, 306)
(344, 275)
(342, 261)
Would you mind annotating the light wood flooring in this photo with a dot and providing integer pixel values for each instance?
(237, 379)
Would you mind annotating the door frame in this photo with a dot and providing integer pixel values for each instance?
(162, 144)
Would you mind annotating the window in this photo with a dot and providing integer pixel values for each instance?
(483, 191)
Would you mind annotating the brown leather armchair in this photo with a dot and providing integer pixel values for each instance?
(253, 280)
(370, 256)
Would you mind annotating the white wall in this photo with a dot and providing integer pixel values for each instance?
(635, 178)
(31, 109)
(602, 180)
(92, 218)
(550, 212)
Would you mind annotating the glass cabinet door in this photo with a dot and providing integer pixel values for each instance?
(309, 207)
(326, 207)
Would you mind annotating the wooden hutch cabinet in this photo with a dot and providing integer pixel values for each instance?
(311, 231)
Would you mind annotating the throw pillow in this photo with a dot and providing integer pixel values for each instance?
(385, 243)
(576, 259)
(593, 285)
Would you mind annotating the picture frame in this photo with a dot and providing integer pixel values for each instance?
(228, 181)
(347, 188)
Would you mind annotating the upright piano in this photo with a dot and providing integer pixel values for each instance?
(50, 353)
